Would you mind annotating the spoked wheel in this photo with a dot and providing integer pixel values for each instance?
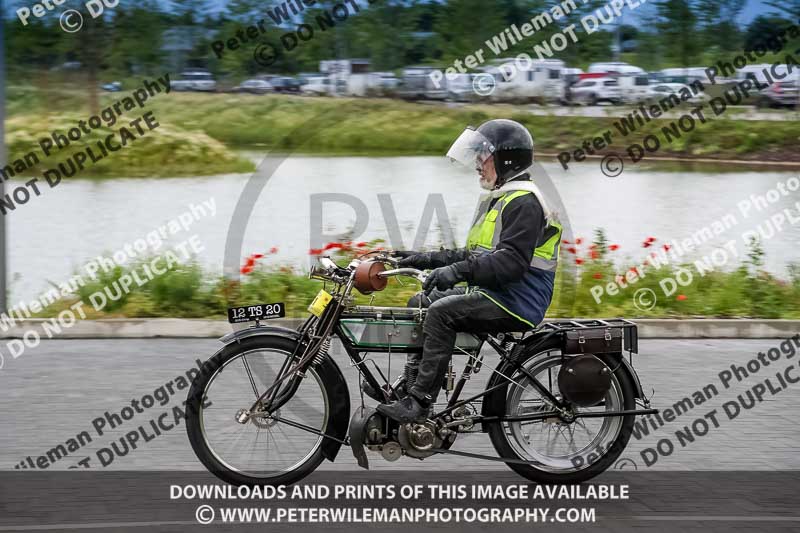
(273, 446)
(562, 451)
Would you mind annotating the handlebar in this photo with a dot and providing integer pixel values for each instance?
(412, 272)
(331, 270)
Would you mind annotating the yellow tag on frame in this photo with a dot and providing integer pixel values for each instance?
(320, 302)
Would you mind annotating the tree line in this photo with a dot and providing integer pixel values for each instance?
(149, 36)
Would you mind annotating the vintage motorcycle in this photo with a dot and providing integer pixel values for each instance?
(270, 405)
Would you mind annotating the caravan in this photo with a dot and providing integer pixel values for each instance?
(526, 80)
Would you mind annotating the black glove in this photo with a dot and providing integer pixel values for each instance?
(442, 278)
(414, 260)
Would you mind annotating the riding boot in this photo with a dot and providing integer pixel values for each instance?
(409, 409)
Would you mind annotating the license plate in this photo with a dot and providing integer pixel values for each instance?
(249, 313)
(320, 303)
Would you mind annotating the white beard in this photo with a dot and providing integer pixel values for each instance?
(486, 184)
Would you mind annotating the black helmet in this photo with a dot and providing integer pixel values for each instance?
(509, 142)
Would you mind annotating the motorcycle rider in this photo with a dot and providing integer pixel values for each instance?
(509, 263)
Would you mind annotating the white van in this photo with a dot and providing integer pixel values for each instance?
(634, 88)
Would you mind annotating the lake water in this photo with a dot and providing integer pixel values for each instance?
(53, 235)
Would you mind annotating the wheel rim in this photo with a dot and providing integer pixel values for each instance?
(556, 446)
(262, 447)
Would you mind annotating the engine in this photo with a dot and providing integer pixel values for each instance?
(393, 440)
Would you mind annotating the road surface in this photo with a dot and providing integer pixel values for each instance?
(54, 393)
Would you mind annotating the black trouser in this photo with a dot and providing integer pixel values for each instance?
(449, 312)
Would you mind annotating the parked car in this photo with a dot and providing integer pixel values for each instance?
(194, 80)
(113, 87)
(781, 94)
(663, 90)
(418, 84)
(383, 84)
(253, 86)
(285, 84)
(317, 86)
(594, 90)
(460, 88)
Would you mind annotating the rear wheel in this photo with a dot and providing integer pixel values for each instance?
(268, 449)
(560, 451)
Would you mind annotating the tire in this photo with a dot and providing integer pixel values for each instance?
(213, 368)
(621, 382)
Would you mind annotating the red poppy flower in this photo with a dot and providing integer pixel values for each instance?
(613, 247)
(578, 240)
(246, 269)
(273, 250)
(592, 246)
(257, 256)
(362, 244)
(651, 239)
(572, 250)
(578, 261)
(315, 251)
(597, 275)
(594, 254)
(646, 244)
(681, 297)
(667, 247)
(333, 245)
(565, 241)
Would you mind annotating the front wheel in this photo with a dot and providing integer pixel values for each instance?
(269, 448)
(559, 451)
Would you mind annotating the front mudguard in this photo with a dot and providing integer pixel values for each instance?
(494, 402)
(335, 385)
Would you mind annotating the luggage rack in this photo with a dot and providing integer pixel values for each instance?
(630, 332)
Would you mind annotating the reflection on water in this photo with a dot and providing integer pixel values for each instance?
(54, 234)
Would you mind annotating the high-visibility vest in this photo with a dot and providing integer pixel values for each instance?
(485, 233)
(483, 237)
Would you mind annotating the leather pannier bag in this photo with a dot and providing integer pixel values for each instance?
(606, 340)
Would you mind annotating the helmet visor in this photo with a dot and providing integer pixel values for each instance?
(471, 149)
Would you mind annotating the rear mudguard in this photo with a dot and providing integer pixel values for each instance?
(331, 375)
(494, 402)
